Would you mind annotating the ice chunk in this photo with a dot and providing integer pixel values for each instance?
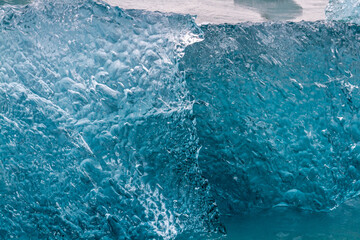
(97, 133)
(277, 108)
(343, 10)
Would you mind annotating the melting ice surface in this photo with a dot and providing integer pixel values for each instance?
(277, 113)
(127, 124)
(97, 135)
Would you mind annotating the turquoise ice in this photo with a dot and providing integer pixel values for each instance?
(127, 124)
(97, 136)
(277, 109)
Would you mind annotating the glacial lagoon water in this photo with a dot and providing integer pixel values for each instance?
(130, 124)
(227, 11)
(290, 224)
(234, 11)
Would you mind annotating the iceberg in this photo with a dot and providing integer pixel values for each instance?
(97, 132)
(129, 124)
(341, 10)
(276, 108)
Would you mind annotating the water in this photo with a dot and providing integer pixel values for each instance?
(227, 11)
(234, 11)
(286, 224)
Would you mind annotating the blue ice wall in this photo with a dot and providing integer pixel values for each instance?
(97, 132)
(277, 110)
(341, 10)
(135, 125)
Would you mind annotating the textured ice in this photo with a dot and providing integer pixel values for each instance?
(277, 111)
(343, 10)
(112, 121)
(97, 133)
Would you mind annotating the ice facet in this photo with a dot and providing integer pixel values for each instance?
(112, 121)
(97, 135)
(277, 113)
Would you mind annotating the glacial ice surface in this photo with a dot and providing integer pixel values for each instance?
(97, 139)
(277, 113)
(135, 125)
